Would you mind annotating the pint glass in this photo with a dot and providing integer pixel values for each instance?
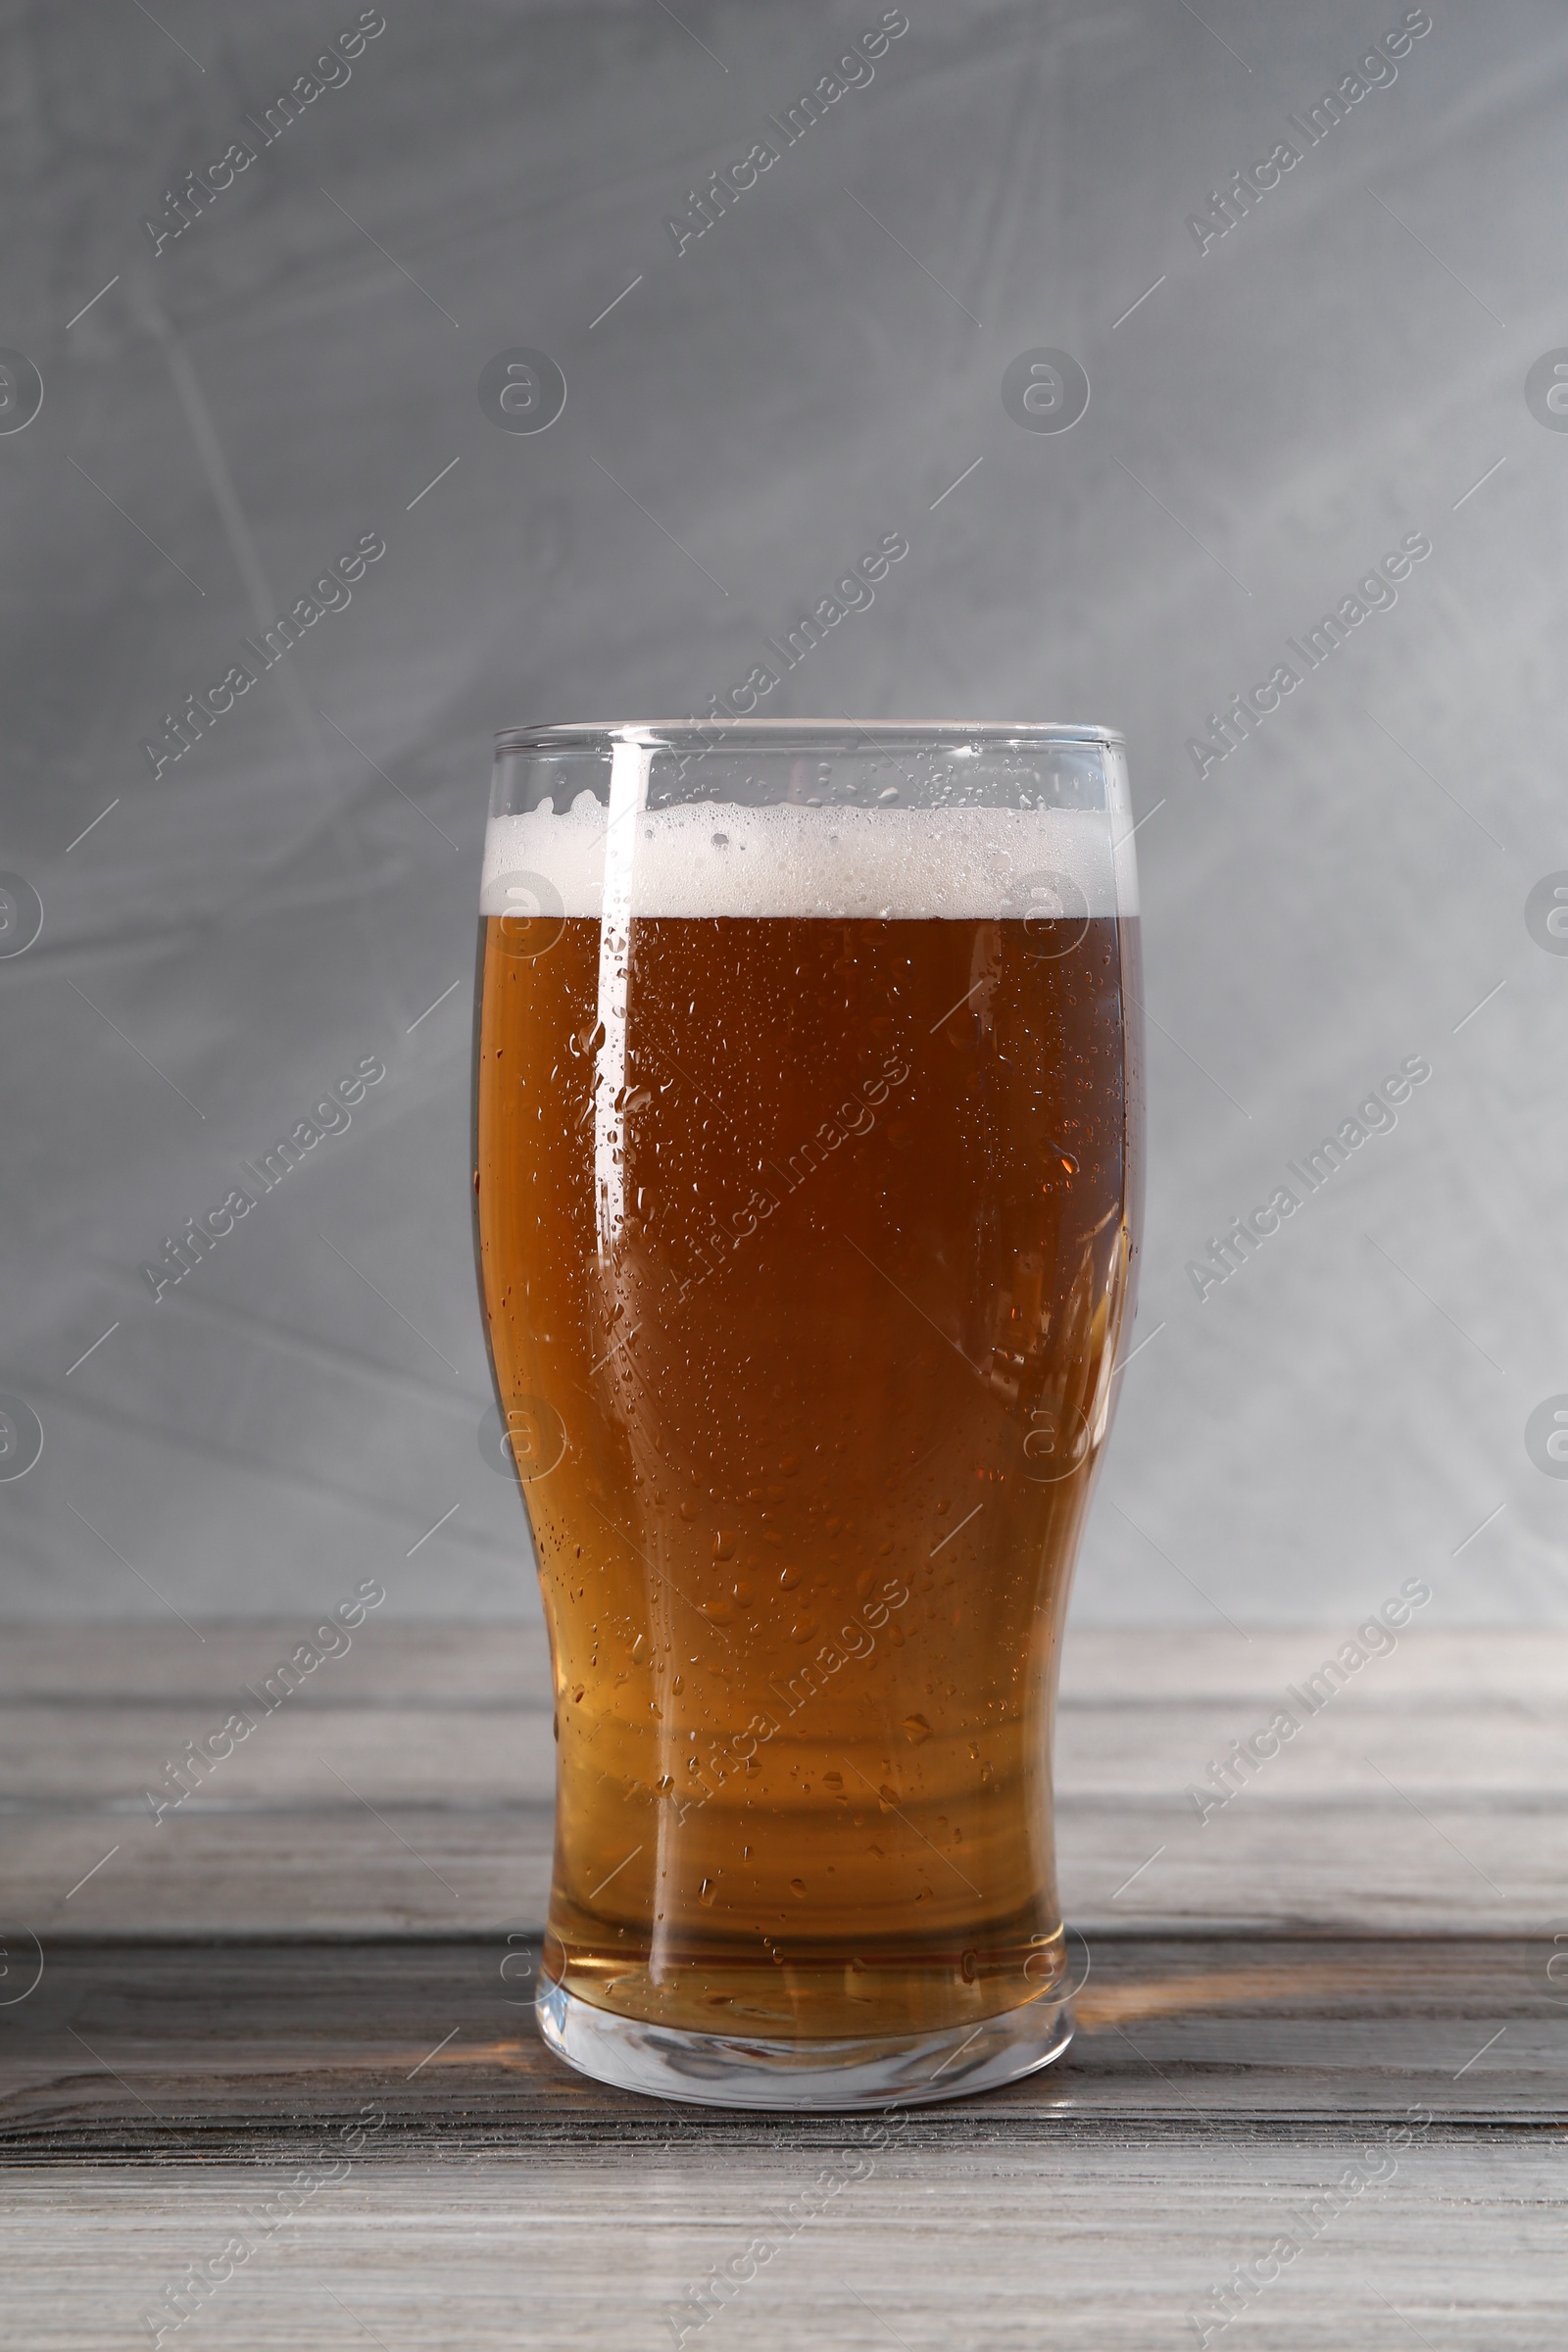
(807, 1169)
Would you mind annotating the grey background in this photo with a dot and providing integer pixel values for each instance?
(1337, 894)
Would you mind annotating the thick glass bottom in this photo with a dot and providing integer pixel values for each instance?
(727, 2070)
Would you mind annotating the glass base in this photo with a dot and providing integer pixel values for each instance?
(723, 2070)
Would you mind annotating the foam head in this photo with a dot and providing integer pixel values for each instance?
(709, 859)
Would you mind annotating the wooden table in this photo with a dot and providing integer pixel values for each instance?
(291, 2020)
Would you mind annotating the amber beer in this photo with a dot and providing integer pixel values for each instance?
(804, 1241)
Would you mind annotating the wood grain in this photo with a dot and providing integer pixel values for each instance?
(169, 2049)
(992, 2247)
(408, 1785)
(340, 1928)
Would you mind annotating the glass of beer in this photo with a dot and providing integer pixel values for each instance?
(806, 1181)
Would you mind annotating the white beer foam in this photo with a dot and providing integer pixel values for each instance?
(709, 859)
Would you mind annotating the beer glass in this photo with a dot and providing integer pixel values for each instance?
(806, 1167)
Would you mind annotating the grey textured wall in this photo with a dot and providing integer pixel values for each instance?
(297, 891)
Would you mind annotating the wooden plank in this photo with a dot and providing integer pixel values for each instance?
(419, 1748)
(1126, 1666)
(170, 2048)
(1344, 1868)
(388, 1659)
(1097, 2246)
(1432, 1793)
(157, 2095)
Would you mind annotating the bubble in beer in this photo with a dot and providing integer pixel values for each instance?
(528, 1445)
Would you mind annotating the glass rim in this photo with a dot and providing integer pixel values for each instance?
(658, 734)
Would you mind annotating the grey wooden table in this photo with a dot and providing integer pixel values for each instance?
(278, 2082)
